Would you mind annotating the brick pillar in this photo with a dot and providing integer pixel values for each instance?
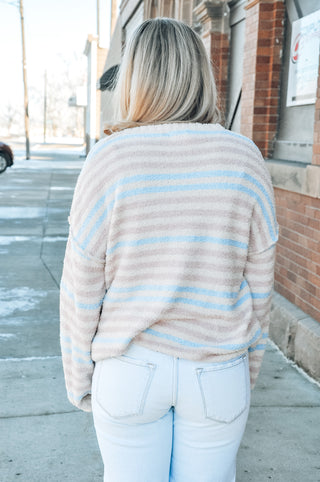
(316, 135)
(261, 71)
(214, 20)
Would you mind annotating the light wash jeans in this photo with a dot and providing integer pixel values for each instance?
(159, 418)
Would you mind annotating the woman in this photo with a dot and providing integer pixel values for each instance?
(168, 271)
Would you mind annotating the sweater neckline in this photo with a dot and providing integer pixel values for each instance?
(168, 126)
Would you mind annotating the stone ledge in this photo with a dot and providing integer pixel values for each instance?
(296, 334)
(295, 177)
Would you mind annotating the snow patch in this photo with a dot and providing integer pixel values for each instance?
(53, 239)
(31, 358)
(61, 188)
(6, 240)
(19, 299)
(13, 212)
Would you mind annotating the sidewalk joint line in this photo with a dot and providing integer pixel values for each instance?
(44, 229)
(38, 414)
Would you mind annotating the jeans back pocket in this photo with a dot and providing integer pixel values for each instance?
(122, 385)
(224, 389)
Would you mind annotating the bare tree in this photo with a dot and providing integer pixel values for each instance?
(62, 119)
(10, 118)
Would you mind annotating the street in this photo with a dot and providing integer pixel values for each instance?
(42, 436)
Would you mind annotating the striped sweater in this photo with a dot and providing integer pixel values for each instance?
(171, 245)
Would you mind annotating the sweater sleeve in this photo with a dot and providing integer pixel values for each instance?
(82, 287)
(259, 274)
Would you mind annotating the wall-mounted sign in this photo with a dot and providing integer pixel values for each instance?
(79, 99)
(304, 60)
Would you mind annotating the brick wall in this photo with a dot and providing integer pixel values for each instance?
(219, 54)
(297, 272)
(316, 132)
(261, 71)
(214, 20)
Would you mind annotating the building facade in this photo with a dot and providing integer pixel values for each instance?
(265, 55)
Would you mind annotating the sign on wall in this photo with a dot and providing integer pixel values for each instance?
(304, 60)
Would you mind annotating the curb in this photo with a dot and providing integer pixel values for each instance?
(296, 334)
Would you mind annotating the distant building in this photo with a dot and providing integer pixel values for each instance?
(265, 55)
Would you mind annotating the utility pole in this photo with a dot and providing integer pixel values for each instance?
(26, 102)
(98, 18)
(45, 108)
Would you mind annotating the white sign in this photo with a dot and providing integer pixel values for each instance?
(304, 60)
(79, 99)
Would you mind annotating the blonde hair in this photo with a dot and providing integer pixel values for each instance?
(165, 76)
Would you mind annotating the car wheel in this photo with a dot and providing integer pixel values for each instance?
(3, 162)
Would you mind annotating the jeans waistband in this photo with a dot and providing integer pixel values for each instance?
(136, 350)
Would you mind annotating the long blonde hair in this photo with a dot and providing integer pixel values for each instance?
(165, 76)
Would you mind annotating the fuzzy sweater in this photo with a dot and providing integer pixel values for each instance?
(171, 245)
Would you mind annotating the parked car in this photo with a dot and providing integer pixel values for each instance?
(6, 157)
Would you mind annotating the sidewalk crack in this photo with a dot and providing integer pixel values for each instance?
(29, 415)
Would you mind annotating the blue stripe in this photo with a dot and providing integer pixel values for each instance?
(257, 347)
(158, 177)
(170, 299)
(187, 301)
(99, 339)
(78, 397)
(201, 187)
(187, 342)
(261, 296)
(178, 289)
(77, 250)
(178, 239)
(183, 188)
(77, 359)
(188, 289)
(96, 208)
(66, 339)
(199, 175)
(97, 225)
(82, 306)
(192, 344)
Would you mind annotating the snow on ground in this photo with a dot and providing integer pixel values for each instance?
(21, 299)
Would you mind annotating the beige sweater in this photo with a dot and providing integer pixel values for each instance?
(171, 244)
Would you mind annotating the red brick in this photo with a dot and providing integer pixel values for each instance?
(284, 292)
(313, 212)
(296, 258)
(308, 308)
(266, 7)
(264, 42)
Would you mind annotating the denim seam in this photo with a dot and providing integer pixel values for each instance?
(234, 416)
(151, 367)
(226, 365)
(174, 381)
(138, 363)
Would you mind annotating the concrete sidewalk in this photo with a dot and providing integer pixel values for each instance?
(44, 438)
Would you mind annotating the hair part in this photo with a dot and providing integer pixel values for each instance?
(165, 76)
